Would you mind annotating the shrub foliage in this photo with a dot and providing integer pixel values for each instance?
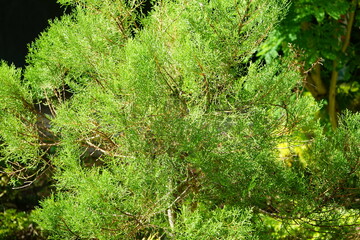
(162, 126)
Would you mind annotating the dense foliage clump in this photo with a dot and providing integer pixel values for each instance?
(164, 126)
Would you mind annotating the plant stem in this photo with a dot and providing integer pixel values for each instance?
(315, 84)
(332, 95)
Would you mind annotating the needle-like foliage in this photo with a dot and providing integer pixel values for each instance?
(162, 126)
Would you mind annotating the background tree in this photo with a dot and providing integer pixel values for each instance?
(162, 127)
(327, 32)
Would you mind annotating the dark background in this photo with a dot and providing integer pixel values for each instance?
(21, 21)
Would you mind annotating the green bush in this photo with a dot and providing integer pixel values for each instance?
(162, 126)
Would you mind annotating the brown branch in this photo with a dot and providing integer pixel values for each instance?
(174, 89)
(206, 83)
(68, 229)
(332, 96)
(314, 83)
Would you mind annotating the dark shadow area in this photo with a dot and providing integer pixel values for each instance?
(21, 21)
